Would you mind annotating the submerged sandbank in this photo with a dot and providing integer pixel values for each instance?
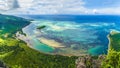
(51, 42)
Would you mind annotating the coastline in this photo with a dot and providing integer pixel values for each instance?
(108, 36)
(48, 42)
(109, 41)
(24, 38)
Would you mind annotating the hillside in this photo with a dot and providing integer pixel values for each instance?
(113, 57)
(16, 54)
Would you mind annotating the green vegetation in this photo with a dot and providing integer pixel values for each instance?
(23, 56)
(10, 24)
(16, 54)
(115, 41)
(113, 58)
(41, 27)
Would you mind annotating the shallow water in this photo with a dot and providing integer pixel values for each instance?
(77, 37)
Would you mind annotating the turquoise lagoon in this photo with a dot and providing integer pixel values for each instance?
(71, 36)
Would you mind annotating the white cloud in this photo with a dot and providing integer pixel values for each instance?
(25, 3)
(8, 4)
(57, 7)
(109, 10)
(94, 11)
(50, 6)
(54, 7)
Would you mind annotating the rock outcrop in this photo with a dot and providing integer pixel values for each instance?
(2, 65)
(89, 61)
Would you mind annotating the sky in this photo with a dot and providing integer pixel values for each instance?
(60, 6)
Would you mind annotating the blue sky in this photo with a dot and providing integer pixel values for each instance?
(60, 6)
(101, 3)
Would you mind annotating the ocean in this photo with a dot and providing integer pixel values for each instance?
(71, 34)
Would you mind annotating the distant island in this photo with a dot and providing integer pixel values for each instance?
(41, 27)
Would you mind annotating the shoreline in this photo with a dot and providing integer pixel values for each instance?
(23, 38)
(26, 40)
(109, 40)
(48, 42)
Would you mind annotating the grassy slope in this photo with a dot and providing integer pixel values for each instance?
(16, 54)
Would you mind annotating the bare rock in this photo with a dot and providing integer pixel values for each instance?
(89, 62)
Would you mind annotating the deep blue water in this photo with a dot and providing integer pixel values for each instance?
(77, 18)
(90, 33)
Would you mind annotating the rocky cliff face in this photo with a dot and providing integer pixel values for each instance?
(89, 61)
